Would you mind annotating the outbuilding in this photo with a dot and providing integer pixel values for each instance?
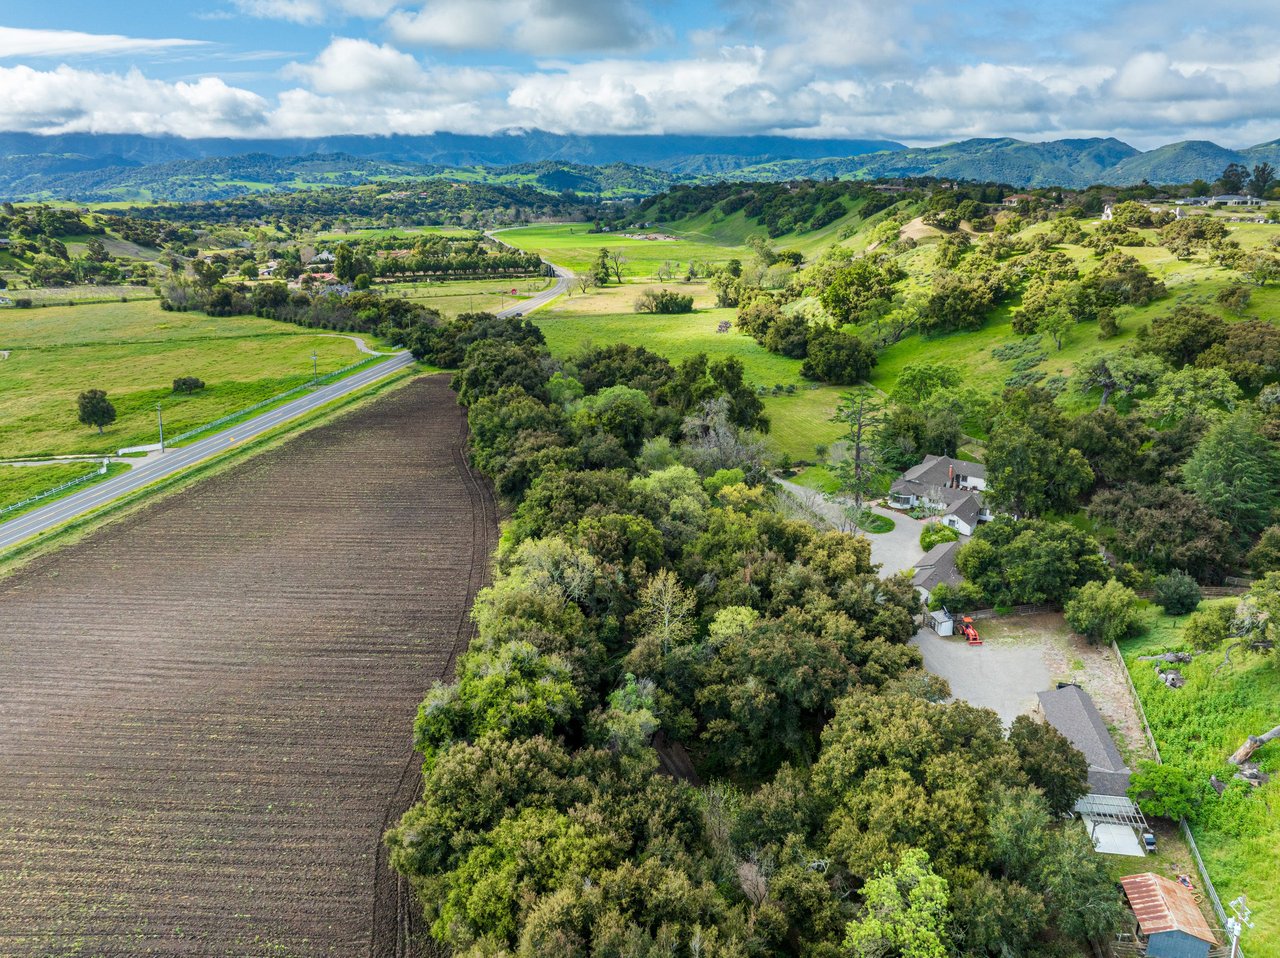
(1169, 921)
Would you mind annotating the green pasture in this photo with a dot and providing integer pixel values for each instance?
(1196, 728)
(466, 296)
(799, 420)
(134, 351)
(570, 245)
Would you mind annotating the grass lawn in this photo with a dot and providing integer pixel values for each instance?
(1197, 727)
(819, 478)
(134, 351)
(570, 245)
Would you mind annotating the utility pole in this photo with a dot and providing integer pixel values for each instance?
(315, 369)
(160, 417)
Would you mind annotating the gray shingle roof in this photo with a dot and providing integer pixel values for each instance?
(930, 479)
(937, 566)
(967, 509)
(1071, 711)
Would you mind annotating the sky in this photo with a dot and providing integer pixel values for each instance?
(917, 71)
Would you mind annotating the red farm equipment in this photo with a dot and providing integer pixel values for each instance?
(970, 631)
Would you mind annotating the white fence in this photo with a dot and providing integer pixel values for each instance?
(50, 493)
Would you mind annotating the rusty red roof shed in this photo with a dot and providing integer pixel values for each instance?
(1162, 905)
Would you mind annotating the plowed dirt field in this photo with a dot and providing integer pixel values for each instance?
(206, 708)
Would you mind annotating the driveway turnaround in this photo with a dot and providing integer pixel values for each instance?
(894, 551)
(1003, 676)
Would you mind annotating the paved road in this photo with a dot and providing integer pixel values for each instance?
(159, 467)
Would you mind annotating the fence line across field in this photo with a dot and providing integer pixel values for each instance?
(71, 484)
(230, 417)
(1206, 881)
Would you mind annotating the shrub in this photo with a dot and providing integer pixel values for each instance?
(935, 533)
(22, 302)
(963, 597)
(187, 384)
(1177, 593)
(1103, 612)
(1164, 790)
(664, 301)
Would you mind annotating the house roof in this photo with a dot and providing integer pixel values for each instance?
(1071, 711)
(937, 566)
(967, 509)
(936, 471)
(1163, 905)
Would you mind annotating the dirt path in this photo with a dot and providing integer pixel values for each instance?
(205, 709)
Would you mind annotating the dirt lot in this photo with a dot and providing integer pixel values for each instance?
(205, 709)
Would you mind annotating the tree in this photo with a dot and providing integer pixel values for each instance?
(1053, 764)
(1235, 472)
(95, 409)
(859, 472)
(1264, 175)
(1164, 528)
(1209, 628)
(1030, 469)
(1164, 790)
(1030, 561)
(1265, 556)
(1233, 178)
(601, 268)
(1125, 373)
(904, 913)
(616, 261)
(1177, 593)
(1183, 334)
(1192, 391)
(585, 281)
(188, 384)
(1056, 324)
(920, 380)
(1103, 612)
(837, 357)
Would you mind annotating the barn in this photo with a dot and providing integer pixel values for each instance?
(1169, 921)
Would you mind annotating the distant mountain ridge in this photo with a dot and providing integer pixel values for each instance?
(101, 167)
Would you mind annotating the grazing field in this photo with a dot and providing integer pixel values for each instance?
(467, 296)
(134, 351)
(570, 245)
(206, 705)
(1196, 727)
(800, 419)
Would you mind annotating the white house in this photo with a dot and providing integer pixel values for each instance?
(950, 487)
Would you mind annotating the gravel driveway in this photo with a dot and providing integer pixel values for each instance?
(1001, 676)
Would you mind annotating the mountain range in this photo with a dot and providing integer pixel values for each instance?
(102, 167)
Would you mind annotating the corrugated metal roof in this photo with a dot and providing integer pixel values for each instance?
(1164, 905)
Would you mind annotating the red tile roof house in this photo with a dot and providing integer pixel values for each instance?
(1170, 922)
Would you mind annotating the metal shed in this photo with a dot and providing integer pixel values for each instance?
(1169, 920)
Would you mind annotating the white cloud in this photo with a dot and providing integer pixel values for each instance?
(541, 27)
(358, 66)
(315, 11)
(67, 100)
(20, 42)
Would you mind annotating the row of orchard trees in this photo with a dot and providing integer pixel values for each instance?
(649, 597)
